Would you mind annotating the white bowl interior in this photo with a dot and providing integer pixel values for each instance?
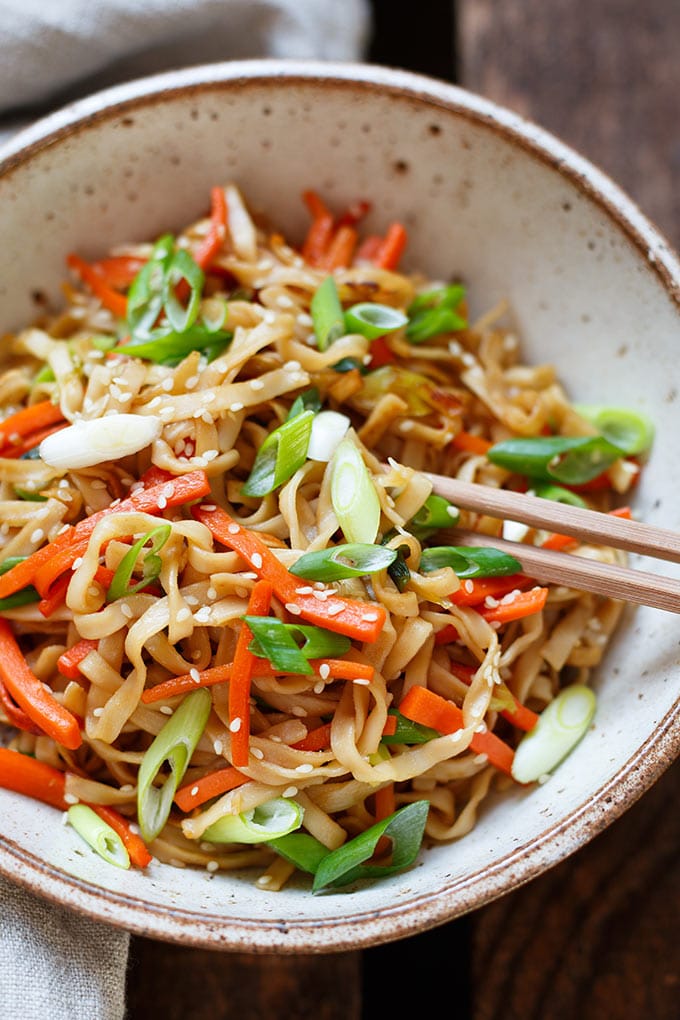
(486, 197)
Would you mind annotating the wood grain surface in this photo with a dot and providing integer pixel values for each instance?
(598, 936)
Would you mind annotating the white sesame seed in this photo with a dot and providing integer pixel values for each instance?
(183, 614)
(264, 880)
(217, 747)
(233, 528)
(369, 617)
(305, 590)
(290, 791)
(318, 687)
(236, 406)
(195, 675)
(298, 711)
(203, 615)
(212, 866)
(324, 671)
(256, 384)
(336, 608)
(361, 681)
(305, 767)
(481, 759)
(211, 593)
(98, 712)
(257, 753)
(93, 591)
(257, 561)
(37, 535)
(406, 426)
(241, 593)
(235, 724)
(191, 382)
(162, 502)
(76, 563)
(69, 798)
(293, 609)
(292, 366)
(469, 587)
(165, 709)
(167, 385)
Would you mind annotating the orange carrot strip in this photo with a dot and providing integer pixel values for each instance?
(32, 778)
(259, 604)
(44, 566)
(338, 669)
(392, 247)
(429, 709)
(118, 271)
(339, 253)
(557, 541)
(390, 727)
(316, 740)
(214, 239)
(369, 249)
(354, 213)
(524, 603)
(30, 442)
(15, 715)
(29, 419)
(361, 621)
(134, 844)
(381, 353)
(520, 716)
(213, 785)
(28, 692)
(321, 230)
(56, 596)
(69, 661)
(384, 800)
(110, 298)
(475, 590)
(468, 442)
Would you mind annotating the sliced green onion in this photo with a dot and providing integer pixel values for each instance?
(304, 851)
(172, 747)
(398, 570)
(373, 320)
(433, 312)
(408, 732)
(307, 401)
(347, 364)
(99, 835)
(469, 561)
(571, 460)
(19, 598)
(45, 375)
(147, 290)
(282, 453)
(182, 267)
(120, 585)
(272, 640)
(347, 864)
(165, 346)
(30, 497)
(329, 428)
(343, 561)
(435, 513)
(272, 820)
(559, 728)
(214, 313)
(327, 315)
(104, 343)
(353, 495)
(558, 494)
(631, 431)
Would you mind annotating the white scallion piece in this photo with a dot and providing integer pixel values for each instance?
(560, 727)
(275, 818)
(354, 495)
(514, 531)
(99, 835)
(95, 440)
(329, 428)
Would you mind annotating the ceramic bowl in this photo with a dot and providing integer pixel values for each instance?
(485, 195)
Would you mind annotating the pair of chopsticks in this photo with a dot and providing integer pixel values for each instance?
(548, 566)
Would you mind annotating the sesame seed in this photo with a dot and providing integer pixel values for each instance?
(257, 753)
(211, 593)
(283, 301)
(69, 798)
(98, 712)
(324, 671)
(76, 563)
(167, 385)
(236, 406)
(37, 535)
(490, 602)
(292, 366)
(241, 593)
(305, 767)
(290, 791)
(481, 759)
(469, 587)
(233, 529)
(301, 713)
(93, 591)
(203, 615)
(318, 687)
(191, 600)
(212, 866)
(336, 608)
(293, 609)
(195, 675)
(217, 747)
(98, 484)
(162, 502)
(257, 560)
(207, 398)
(256, 384)
(183, 614)
(194, 791)
(191, 382)
(304, 319)
(165, 709)
(406, 426)
(369, 617)
(235, 724)
(264, 880)
(361, 681)
(305, 590)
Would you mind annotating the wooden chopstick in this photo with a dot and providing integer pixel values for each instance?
(572, 571)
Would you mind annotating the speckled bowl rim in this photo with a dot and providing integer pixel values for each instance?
(422, 911)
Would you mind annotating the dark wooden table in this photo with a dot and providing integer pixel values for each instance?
(598, 936)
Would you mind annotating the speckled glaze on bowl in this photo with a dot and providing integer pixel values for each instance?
(485, 195)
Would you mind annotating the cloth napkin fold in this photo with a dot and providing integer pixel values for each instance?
(53, 962)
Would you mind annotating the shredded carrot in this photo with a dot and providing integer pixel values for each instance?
(524, 603)
(214, 239)
(28, 692)
(241, 672)
(558, 542)
(392, 247)
(134, 844)
(429, 709)
(33, 778)
(318, 739)
(118, 271)
(56, 596)
(321, 230)
(44, 566)
(89, 274)
(30, 442)
(213, 785)
(333, 669)
(390, 727)
(369, 248)
(362, 621)
(354, 213)
(34, 418)
(15, 715)
(381, 353)
(69, 661)
(520, 716)
(338, 254)
(385, 802)
(474, 590)
(468, 442)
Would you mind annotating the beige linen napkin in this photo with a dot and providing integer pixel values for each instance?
(56, 964)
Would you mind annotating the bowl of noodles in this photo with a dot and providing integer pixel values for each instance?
(247, 655)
